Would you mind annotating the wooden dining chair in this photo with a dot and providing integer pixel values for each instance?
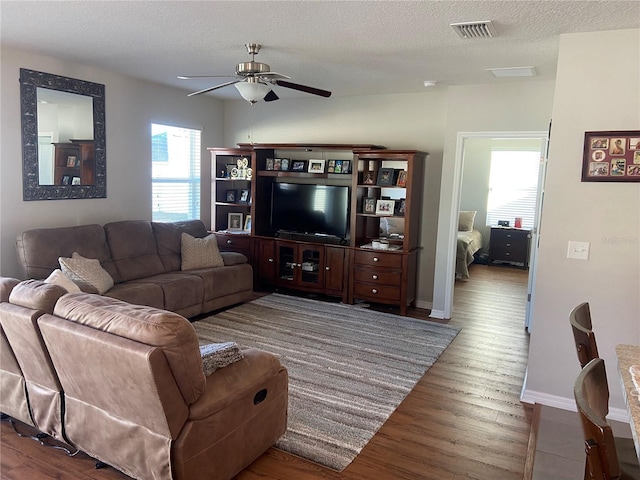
(585, 339)
(607, 457)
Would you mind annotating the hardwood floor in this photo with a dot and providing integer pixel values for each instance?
(462, 420)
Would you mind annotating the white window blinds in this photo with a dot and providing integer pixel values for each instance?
(175, 157)
(513, 186)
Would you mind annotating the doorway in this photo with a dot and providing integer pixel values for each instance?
(472, 186)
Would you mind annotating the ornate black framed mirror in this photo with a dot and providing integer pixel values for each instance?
(63, 137)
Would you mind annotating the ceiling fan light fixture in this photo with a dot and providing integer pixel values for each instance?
(252, 92)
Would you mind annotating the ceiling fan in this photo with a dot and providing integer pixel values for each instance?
(254, 79)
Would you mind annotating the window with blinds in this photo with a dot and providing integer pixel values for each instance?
(513, 186)
(175, 160)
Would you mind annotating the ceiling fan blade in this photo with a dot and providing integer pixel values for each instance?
(213, 88)
(271, 96)
(190, 77)
(303, 88)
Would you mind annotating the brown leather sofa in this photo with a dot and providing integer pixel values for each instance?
(144, 260)
(133, 391)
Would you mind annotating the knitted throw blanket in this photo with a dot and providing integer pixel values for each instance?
(218, 355)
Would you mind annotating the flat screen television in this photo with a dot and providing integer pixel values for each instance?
(310, 209)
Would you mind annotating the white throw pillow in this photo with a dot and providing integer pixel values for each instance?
(58, 277)
(465, 220)
(200, 252)
(87, 273)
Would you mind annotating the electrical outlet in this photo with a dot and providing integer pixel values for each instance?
(578, 250)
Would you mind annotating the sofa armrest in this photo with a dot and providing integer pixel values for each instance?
(233, 258)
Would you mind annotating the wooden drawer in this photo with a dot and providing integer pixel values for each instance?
(234, 243)
(378, 276)
(376, 293)
(379, 259)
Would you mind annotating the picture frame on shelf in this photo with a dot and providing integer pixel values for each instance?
(231, 196)
(298, 166)
(269, 164)
(402, 179)
(66, 180)
(247, 223)
(385, 207)
(316, 166)
(245, 195)
(71, 161)
(386, 177)
(331, 166)
(400, 207)
(76, 181)
(369, 205)
(277, 164)
(346, 166)
(234, 222)
(369, 177)
(284, 165)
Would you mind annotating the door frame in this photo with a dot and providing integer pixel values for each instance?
(455, 205)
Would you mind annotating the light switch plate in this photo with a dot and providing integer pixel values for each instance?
(578, 250)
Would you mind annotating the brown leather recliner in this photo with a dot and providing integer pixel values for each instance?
(137, 397)
(28, 301)
(13, 400)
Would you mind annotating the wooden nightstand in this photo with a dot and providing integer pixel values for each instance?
(510, 245)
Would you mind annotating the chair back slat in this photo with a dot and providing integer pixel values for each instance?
(591, 392)
(585, 339)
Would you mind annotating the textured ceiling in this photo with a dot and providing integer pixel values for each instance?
(348, 47)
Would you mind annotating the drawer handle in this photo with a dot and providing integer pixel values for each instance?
(270, 260)
(327, 268)
(376, 259)
(508, 235)
(229, 242)
(507, 253)
(375, 277)
(374, 290)
(508, 244)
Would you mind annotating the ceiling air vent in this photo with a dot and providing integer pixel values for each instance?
(475, 29)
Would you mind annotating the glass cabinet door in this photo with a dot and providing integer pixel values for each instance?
(310, 266)
(287, 265)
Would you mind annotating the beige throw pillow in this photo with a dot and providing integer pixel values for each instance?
(465, 220)
(87, 273)
(58, 277)
(200, 252)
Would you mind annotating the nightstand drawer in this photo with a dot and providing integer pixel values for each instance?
(509, 245)
(234, 243)
(375, 293)
(378, 259)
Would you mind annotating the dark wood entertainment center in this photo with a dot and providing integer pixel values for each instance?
(385, 188)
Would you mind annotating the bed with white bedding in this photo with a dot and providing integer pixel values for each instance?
(469, 243)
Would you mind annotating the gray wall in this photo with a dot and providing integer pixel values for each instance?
(131, 106)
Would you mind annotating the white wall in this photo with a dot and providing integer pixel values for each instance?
(131, 106)
(590, 96)
(396, 121)
(504, 107)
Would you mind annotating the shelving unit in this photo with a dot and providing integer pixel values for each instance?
(74, 163)
(222, 161)
(349, 267)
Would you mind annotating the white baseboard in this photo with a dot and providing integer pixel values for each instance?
(563, 403)
(437, 314)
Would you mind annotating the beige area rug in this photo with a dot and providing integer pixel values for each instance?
(349, 367)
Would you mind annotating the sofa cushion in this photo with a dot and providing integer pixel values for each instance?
(58, 277)
(133, 249)
(6, 285)
(138, 292)
(151, 326)
(86, 273)
(200, 252)
(39, 249)
(168, 240)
